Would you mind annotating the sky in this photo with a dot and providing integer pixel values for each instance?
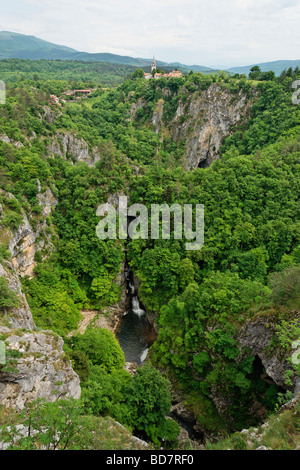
(218, 33)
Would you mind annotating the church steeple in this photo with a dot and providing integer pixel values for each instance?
(153, 67)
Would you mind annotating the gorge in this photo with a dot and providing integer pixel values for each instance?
(211, 330)
(135, 333)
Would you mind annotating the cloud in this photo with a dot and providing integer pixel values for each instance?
(228, 32)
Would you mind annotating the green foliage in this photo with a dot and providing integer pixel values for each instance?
(11, 358)
(139, 73)
(57, 425)
(283, 398)
(255, 73)
(286, 287)
(249, 261)
(62, 425)
(56, 74)
(288, 334)
(4, 252)
(80, 364)
(8, 297)
(281, 433)
(104, 290)
(55, 298)
(139, 402)
(146, 402)
(12, 220)
(101, 348)
(102, 391)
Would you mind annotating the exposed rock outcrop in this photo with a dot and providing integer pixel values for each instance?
(19, 317)
(25, 242)
(41, 371)
(69, 146)
(202, 120)
(8, 140)
(135, 106)
(257, 335)
(208, 118)
(158, 115)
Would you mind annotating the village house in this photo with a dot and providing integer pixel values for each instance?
(54, 100)
(157, 75)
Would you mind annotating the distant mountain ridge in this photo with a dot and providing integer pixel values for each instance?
(277, 66)
(21, 46)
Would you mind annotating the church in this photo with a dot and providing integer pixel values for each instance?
(154, 74)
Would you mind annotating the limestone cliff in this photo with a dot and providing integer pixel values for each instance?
(202, 120)
(69, 146)
(41, 369)
(211, 117)
(18, 317)
(257, 336)
(25, 241)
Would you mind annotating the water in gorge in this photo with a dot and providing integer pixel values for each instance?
(135, 334)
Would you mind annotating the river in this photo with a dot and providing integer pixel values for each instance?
(135, 333)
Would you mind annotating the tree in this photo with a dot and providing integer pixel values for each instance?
(101, 348)
(268, 76)
(255, 73)
(52, 426)
(286, 286)
(8, 298)
(102, 391)
(138, 73)
(105, 290)
(147, 401)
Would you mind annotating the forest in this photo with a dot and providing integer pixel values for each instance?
(247, 270)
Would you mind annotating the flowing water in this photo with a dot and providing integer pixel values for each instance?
(135, 334)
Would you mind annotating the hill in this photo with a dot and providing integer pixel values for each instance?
(21, 46)
(278, 66)
(13, 70)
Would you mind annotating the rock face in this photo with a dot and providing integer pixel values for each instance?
(77, 150)
(7, 140)
(180, 410)
(19, 317)
(41, 371)
(135, 106)
(202, 120)
(24, 243)
(210, 118)
(257, 336)
(157, 115)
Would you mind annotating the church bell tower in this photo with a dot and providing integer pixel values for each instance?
(153, 67)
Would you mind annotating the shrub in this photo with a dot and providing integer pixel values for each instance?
(101, 348)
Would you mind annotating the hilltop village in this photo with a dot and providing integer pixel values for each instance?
(157, 75)
(74, 95)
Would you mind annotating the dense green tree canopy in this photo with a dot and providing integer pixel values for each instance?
(247, 267)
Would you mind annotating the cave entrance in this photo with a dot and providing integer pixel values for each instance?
(204, 163)
(266, 390)
(207, 161)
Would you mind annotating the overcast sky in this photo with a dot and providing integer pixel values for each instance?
(204, 32)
